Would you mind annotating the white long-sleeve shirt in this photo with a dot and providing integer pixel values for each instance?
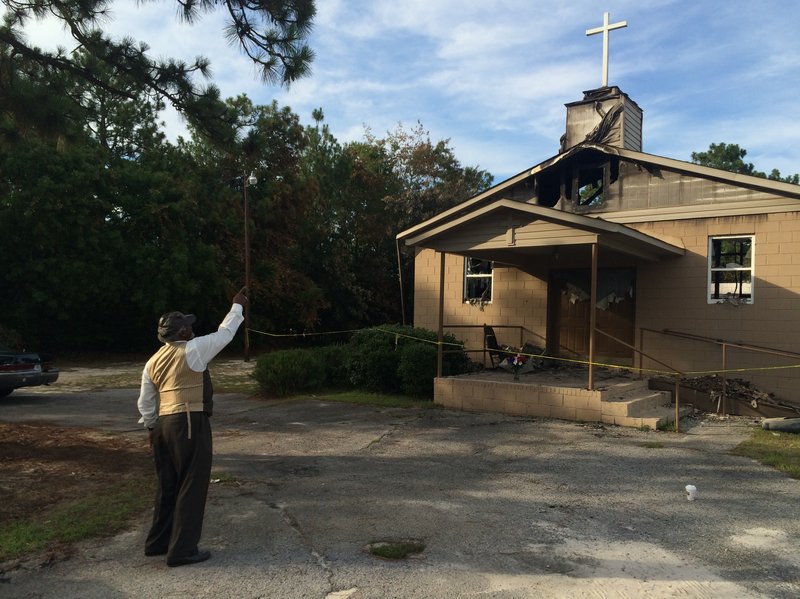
(199, 352)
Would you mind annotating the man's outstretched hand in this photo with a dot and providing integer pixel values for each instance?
(241, 297)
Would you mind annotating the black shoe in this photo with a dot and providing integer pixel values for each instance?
(198, 557)
(152, 552)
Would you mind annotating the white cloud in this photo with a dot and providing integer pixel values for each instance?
(494, 77)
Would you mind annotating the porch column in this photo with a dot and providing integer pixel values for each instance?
(440, 350)
(592, 316)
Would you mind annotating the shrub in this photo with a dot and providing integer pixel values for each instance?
(387, 359)
(289, 371)
(417, 369)
(375, 356)
(371, 361)
(332, 359)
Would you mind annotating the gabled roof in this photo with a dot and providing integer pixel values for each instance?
(786, 190)
(520, 226)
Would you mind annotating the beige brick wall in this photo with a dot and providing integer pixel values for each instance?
(517, 399)
(673, 294)
(520, 299)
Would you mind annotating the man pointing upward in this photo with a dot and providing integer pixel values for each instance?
(176, 412)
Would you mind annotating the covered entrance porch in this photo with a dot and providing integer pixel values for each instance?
(581, 260)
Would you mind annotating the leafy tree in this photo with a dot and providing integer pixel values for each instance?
(431, 180)
(268, 141)
(730, 157)
(365, 193)
(271, 33)
(432, 177)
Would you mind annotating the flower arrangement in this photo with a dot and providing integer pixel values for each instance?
(516, 363)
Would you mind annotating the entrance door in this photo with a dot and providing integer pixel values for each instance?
(568, 312)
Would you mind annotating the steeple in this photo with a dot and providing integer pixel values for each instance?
(606, 115)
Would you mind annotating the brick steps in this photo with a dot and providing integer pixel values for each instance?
(623, 402)
(634, 404)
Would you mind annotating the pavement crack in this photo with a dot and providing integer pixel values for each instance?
(321, 560)
(387, 433)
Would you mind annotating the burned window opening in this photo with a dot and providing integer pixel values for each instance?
(730, 269)
(590, 187)
(478, 281)
(590, 182)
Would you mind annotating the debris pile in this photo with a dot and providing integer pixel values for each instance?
(735, 389)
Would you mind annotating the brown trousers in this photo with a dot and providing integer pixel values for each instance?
(183, 468)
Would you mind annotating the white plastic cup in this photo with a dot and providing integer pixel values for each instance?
(691, 492)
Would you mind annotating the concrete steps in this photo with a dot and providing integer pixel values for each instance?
(632, 403)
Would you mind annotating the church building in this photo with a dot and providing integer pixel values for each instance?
(609, 256)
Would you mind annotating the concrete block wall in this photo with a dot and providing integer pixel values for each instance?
(673, 294)
(519, 299)
(518, 399)
(564, 403)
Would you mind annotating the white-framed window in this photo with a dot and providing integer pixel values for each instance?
(731, 261)
(477, 280)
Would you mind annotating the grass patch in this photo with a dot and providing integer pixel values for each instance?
(228, 376)
(773, 448)
(233, 383)
(653, 445)
(397, 549)
(93, 516)
(371, 399)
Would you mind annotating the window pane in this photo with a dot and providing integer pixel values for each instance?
(479, 288)
(731, 253)
(476, 266)
(737, 284)
(477, 279)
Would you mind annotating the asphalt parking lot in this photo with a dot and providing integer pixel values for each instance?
(505, 507)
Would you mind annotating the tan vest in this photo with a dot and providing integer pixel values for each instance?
(179, 387)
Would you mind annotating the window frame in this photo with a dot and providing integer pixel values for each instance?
(747, 269)
(473, 276)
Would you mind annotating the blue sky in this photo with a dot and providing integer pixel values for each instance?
(493, 77)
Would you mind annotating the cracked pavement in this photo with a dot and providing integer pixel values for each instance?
(507, 507)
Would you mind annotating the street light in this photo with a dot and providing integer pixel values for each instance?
(247, 182)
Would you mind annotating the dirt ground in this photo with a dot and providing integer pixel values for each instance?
(42, 466)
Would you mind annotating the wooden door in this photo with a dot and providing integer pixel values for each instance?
(568, 312)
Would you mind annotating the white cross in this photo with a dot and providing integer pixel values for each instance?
(604, 30)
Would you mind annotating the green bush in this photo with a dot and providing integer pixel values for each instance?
(332, 358)
(417, 369)
(289, 371)
(375, 356)
(371, 361)
(386, 359)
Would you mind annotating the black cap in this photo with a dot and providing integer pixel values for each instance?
(170, 324)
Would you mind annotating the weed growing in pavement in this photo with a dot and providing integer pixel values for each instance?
(396, 549)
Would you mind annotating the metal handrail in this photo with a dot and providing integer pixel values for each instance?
(665, 365)
(722, 403)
